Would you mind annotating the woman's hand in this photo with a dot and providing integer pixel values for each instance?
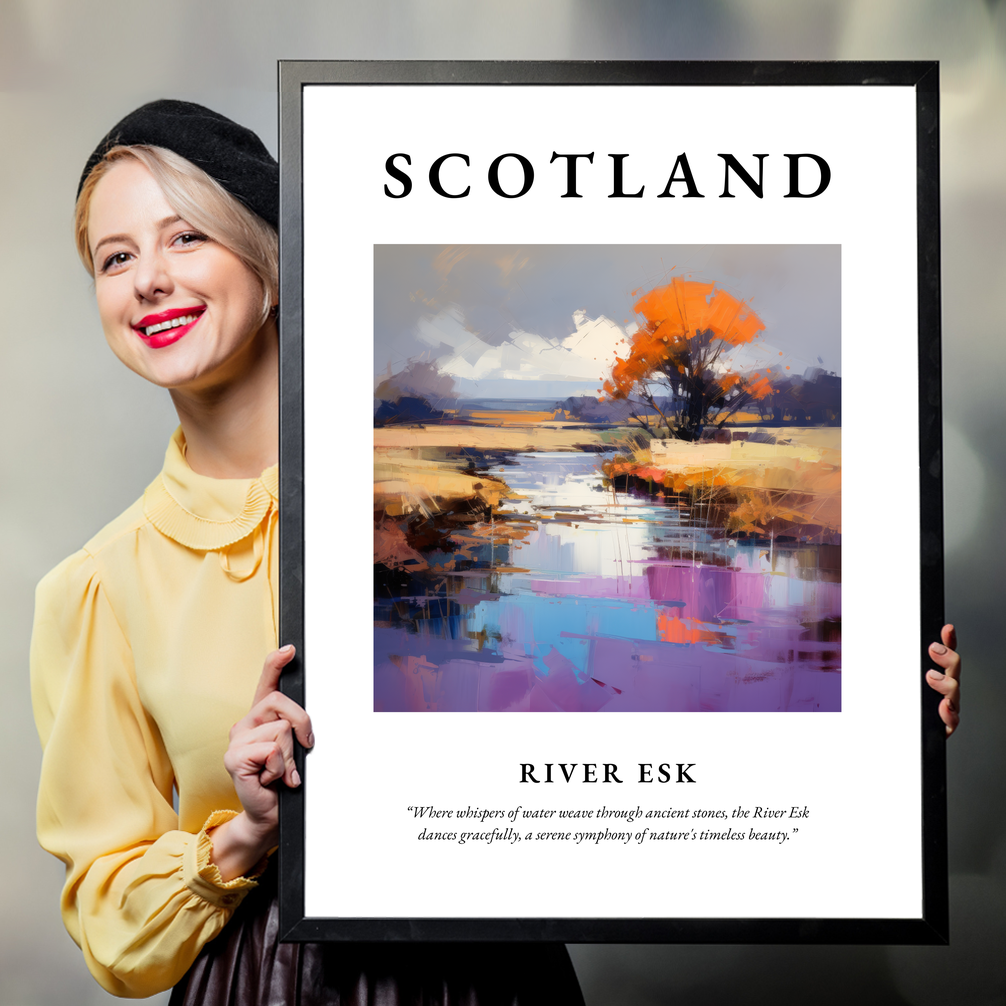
(260, 753)
(947, 682)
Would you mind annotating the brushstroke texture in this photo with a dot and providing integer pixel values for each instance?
(534, 555)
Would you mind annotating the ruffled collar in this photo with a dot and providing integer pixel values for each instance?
(203, 513)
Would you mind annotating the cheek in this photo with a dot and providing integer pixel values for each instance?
(113, 313)
(247, 300)
(224, 279)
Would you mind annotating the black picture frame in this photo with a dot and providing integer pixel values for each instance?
(931, 927)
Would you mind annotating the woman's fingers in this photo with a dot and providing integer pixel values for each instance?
(277, 706)
(274, 766)
(949, 636)
(947, 680)
(271, 671)
(260, 761)
(270, 703)
(947, 686)
(261, 749)
(945, 654)
(949, 712)
(274, 735)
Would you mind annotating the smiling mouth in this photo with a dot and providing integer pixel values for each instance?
(167, 321)
(185, 319)
(167, 327)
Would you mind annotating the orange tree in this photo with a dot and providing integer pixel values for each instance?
(680, 348)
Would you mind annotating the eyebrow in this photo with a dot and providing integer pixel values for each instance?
(111, 238)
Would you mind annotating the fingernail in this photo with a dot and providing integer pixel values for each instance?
(286, 649)
(310, 740)
(295, 777)
(938, 648)
(936, 676)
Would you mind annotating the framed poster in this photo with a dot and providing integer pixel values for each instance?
(641, 362)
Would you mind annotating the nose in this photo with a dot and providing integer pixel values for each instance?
(152, 276)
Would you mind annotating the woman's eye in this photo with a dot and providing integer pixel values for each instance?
(190, 238)
(114, 261)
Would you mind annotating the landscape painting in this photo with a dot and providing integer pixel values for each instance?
(607, 478)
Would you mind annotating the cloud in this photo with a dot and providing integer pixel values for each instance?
(585, 355)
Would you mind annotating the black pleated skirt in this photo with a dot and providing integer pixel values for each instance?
(246, 965)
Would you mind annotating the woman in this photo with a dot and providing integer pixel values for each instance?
(148, 643)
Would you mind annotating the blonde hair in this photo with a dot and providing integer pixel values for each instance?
(199, 200)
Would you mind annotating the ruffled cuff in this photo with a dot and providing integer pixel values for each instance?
(203, 878)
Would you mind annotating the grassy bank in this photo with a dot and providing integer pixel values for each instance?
(787, 482)
(434, 487)
(524, 436)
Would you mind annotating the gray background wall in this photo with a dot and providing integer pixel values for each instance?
(82, 436)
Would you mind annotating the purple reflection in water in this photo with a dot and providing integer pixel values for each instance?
(615, 603)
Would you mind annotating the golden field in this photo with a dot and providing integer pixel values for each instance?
(787, 481)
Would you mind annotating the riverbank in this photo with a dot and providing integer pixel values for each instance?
(435, 488)
(783, 481)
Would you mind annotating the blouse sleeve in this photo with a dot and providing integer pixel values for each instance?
(141, 898)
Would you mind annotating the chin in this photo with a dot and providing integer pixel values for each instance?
(174, 374)
(195, 365)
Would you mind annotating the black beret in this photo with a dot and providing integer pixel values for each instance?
(231, 154)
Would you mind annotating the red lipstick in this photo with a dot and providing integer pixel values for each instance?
(165, 333)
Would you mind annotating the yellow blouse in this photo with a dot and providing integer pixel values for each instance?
(147, 647)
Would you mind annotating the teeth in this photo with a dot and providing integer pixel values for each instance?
(174, 323)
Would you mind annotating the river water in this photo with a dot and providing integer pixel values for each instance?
(611, 601)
